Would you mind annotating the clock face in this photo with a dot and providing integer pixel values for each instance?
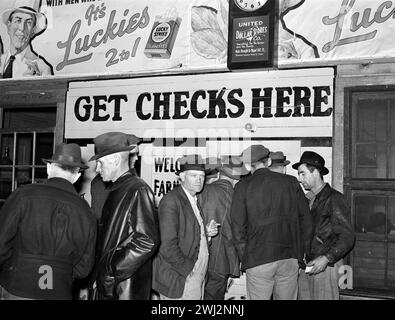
(250, 5)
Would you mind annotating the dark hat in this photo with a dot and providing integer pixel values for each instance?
(313, 159)
(113, 142)
(254, 153)
(133, 140)
(279, 158)
(191, 162)
(68, 155)
(211, 166)
(232, 167)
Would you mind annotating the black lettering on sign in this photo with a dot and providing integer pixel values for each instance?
(161, 187)
(321, 96)
(194, 106)
(257, 98)
(158, 103)
(180, 103)
(281, 100)
(302, 97)
(166, 164)
(235, 102)
(87, 108)
(216, 100)
(139, 106)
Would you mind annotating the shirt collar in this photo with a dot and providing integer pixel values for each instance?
(19, 56)
(319, 190)
(191, 198)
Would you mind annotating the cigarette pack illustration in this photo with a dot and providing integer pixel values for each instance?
(163, 35)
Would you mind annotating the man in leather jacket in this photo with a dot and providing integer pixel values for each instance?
(128, 233)
(333, 236)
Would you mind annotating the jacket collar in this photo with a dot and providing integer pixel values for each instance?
(125, 176)
(261, 171)
(61, 184)
(322, 195)
(223, 182)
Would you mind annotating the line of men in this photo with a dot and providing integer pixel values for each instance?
(200, 235)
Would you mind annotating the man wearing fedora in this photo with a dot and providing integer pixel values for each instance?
(47, 233)
(216, 199)
(180, 266)
(332, 237)
(128, 229)
(23, 22)
(99, 189)
(211, 169)
(279, 162)
(271, 227)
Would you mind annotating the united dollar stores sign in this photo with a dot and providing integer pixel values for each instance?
(278, 103)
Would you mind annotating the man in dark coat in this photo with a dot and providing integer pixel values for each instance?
(332, 237)
(271, 227)
(47, 233)
(216, 199)
(128, 231)
(181, 263)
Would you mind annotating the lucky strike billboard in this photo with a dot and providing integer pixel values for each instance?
(77, 37)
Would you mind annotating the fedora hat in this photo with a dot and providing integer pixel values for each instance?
(279, 158)
(30, 7)
(191, 162)
(68, 155)
(232, 167)
(313, 159)
(211, 166)
(113, 142)
(254, 153)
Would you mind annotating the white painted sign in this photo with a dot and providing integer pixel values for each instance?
(286, 103)
(335, 30)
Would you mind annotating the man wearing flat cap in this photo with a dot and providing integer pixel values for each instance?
(216, 199)
(128, 229)
(271, 228)
(47, 233)
(24, 22)
(180, 266)
(332, 237)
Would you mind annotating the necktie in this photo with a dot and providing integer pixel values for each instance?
(8, 71)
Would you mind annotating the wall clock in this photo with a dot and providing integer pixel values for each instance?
(250, 5)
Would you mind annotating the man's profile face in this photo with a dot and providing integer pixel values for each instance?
(106, 167)
(20, 27)
(133, 157)
(192, 180)
(306, 178)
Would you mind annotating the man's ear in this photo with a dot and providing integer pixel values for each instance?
(269, 162)
(76, 177)
(248, 166)
(49, 169)
(182, 176)
(117, 159)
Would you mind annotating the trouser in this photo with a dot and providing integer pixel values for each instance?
(215, 287)
(321, 286)
(5, 295)
(279, 278)
(193, 289)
